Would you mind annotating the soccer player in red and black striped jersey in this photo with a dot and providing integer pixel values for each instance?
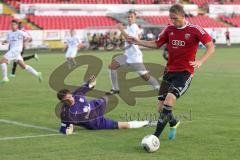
(182, 39)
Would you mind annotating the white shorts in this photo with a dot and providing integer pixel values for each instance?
(13, 55)
(136, 64)
(71, 53)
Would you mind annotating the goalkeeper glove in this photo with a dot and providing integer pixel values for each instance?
(92, 81)
(69, 130)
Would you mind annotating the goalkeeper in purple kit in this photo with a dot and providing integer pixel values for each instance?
(77, 110)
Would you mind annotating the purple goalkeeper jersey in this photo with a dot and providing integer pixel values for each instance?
(84, 113)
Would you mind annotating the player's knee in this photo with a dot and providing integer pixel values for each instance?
(146, 76)
(110, 66)
(123, 125)
(113, 66)
(170, 99)
(3, 61)
(23, 66)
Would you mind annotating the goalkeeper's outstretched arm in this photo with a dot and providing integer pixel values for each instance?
(89, 85)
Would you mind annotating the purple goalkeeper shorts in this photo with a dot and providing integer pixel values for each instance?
(99, 122)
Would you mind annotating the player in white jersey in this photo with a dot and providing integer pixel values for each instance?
(72, 45)
(132, 56)
(16, 38)
(25, 58)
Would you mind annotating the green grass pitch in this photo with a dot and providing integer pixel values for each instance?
(212, 134)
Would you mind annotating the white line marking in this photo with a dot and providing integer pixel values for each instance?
(26, 137)
(27, 125)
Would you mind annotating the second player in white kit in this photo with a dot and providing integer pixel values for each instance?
(73, 44)
(132, 56)
(16, 38)
(132, 52)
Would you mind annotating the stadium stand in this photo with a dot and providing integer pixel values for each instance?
(79, 22)
(203, 21)
(155, 2)
(16, 3)
(157, 19)
(69, 22)
(206, 21)
(6, 25)
(237, 2)
(204, 3)
(235, 20)
(6, 19)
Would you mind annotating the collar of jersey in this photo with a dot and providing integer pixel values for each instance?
(184, 25)
(129, 25)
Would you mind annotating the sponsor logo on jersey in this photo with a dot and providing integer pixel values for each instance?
(86, 109)
(187, 36)
(13, 38)
(81, 100)
(171, 33)
(178, 43)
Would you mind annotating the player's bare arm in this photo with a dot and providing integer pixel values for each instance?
(120, 27)
(30, 39)
(65, 47)
(150, 44)
(209, 51)
(27, 39)
(80, 46)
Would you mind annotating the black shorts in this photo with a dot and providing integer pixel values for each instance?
(176, 83)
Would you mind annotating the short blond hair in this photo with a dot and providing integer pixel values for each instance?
(177, 9)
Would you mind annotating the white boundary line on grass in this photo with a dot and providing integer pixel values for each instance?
(26, 137)
(27, 125)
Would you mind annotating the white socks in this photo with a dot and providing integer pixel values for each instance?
(114, 80)
(28, 68)
(31, 70)
(4, 71)
(138, 124)
(154, 83)
(71, 63)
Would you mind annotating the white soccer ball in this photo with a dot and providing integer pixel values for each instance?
(150, 143)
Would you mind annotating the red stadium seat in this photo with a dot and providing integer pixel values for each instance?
(203, 21)
(235, 20)
(16, 3)
(7, 20)
(69, 22)
(204, 3)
